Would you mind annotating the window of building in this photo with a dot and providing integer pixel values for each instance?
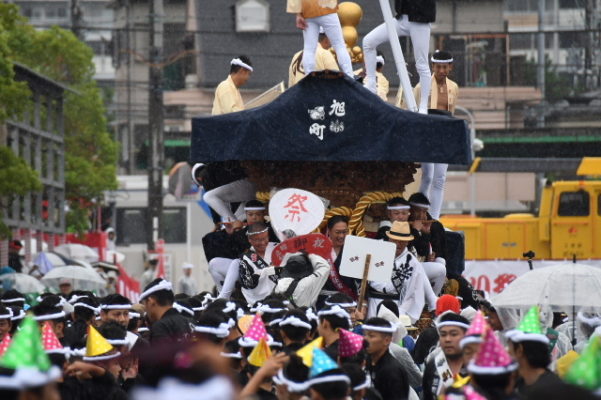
(252, 16)
(568, 40)
(571, 3)
(574, 204)
(132, 224)
(599, 205)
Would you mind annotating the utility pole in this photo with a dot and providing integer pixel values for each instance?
(540, 67)
(76, 19)
(155, 126)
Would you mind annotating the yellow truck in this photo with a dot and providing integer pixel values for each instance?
(568, 224)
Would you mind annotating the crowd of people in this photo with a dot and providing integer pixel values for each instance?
(297, 331)
(300, 329)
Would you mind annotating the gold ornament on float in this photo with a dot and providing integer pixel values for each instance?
(350, 14)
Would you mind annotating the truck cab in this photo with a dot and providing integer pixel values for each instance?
(568, 225)
(575, 219)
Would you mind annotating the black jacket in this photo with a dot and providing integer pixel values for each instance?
(423, 11)
(217, 174)
(171, 327)
(389, 378)
(98, 388)
(222, 244)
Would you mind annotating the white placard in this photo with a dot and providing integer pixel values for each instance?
(355, 252)
(296, 210)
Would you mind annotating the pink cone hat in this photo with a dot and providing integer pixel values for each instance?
(349, 343)
(492, 359)
(256, 330)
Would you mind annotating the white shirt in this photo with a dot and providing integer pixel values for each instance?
(266, 284)
(308, 288)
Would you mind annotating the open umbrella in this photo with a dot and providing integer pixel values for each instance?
(81, 278)
(563, 287)
(57, 259)
(24, 283)
(79, 251)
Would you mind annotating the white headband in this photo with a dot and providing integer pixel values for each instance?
(380, 59)
(89, 307)
(102, 358)
(237, 355)
(363, 385)
(13, 300)
(501, 369)
(311, 315)
(329, 378)
(117, 342)
(256, 233)
(7, 316)
(295, 387)
(422, 205)
(335, 310)
(143, 329)
(434, 60)
(266, 309)
(254, 208)
(221, 331)
(162, 285)
(470, 339)
(115, 307)
(295, 321)
(244, 341)
(240, 63)
(65, 350)
(49, 316)
(21, 315)
(452, 323)
(134, 315)
(384, 329)
(401, 207)
(343, 305)
(75, 297)
(181, 309)
(520, 336)
(229, 307)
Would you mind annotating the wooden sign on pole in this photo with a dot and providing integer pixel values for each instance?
(364, 282)
(368, 260)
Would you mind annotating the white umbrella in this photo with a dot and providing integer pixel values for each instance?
(81, 278)
(55, 259)
(24, 283)
(564, 287)
(79, 251)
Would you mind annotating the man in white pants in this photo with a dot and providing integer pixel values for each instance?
(310, 16)
(413, 19)
(224, 183)
(443, 96)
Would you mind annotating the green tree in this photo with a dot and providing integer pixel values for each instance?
(16, 179)
(557, 87)
(90, 151)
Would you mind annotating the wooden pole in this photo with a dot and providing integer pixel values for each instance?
(364, 282)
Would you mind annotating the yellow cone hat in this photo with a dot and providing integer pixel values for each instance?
(96, 344)
(260, 354)
(306, 352)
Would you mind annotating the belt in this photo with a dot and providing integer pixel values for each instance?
(384, 296)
